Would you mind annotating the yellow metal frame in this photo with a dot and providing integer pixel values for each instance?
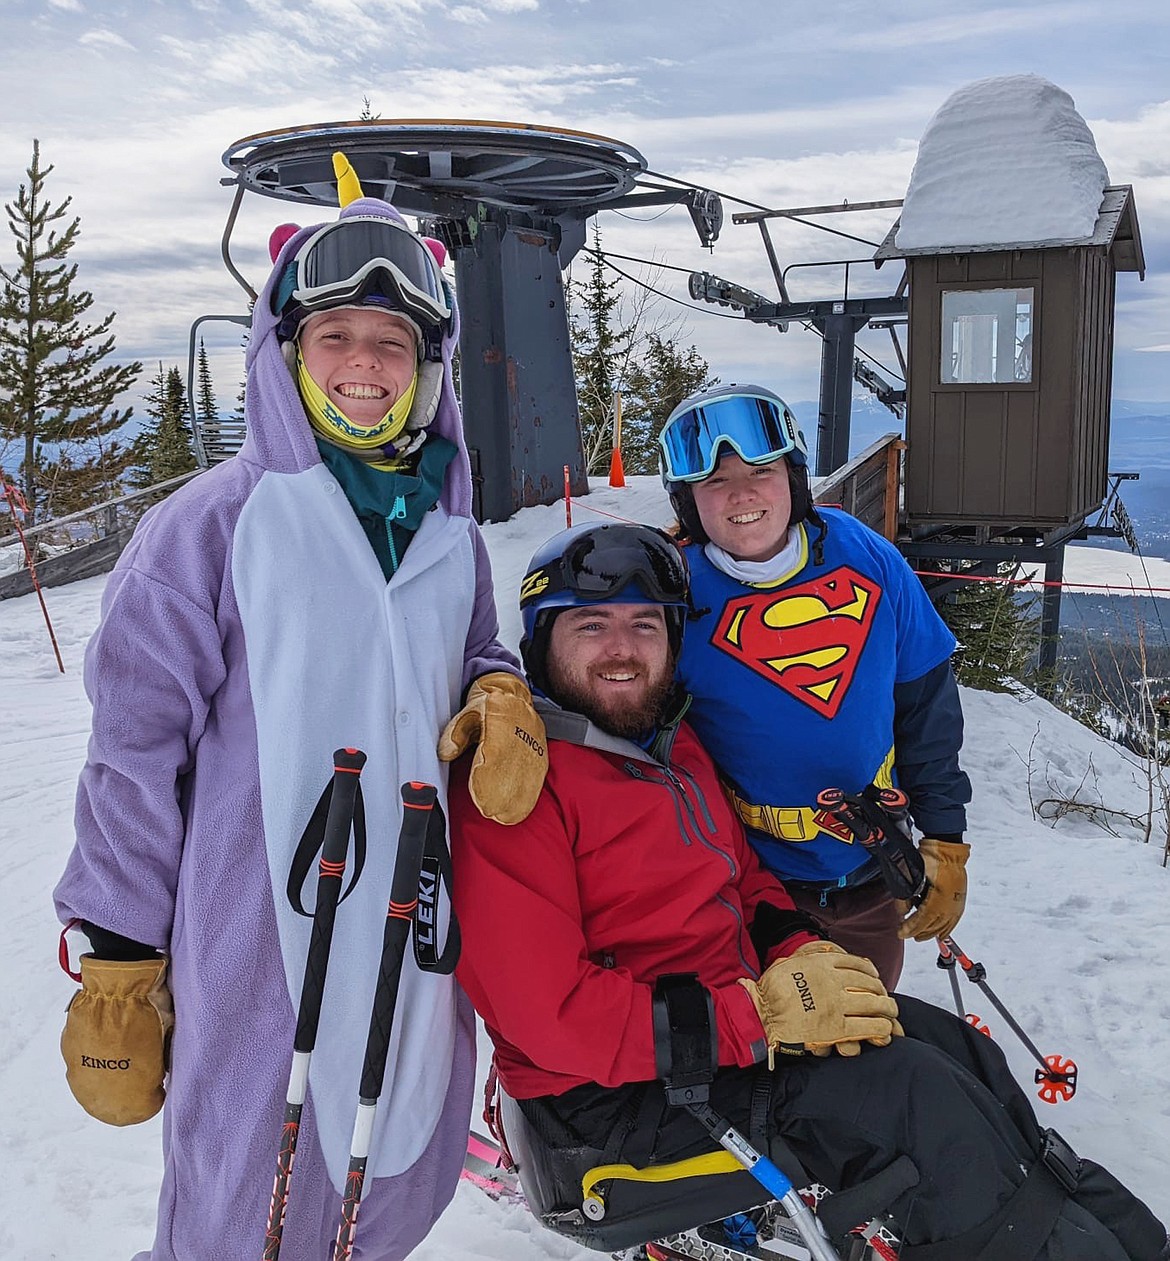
(693, 1167)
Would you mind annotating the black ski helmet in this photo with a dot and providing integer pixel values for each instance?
(711, 428)
(600, 564)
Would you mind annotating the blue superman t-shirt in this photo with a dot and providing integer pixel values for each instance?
(793, 683)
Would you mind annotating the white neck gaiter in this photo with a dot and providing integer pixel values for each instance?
(762, 573)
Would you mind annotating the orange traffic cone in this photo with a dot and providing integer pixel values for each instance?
(617, 475)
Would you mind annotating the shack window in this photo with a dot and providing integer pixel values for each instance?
(986, 336)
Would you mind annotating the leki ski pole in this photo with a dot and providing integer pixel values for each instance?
(1057, 1075)
(338, 809)
(421, 863)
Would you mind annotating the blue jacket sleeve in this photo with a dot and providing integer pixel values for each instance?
(928, 734)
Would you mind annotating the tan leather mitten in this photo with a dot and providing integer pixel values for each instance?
(946, 895)
(821, 998)
(117, 1028)
(508, 770)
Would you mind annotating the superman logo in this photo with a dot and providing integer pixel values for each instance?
(805, 639)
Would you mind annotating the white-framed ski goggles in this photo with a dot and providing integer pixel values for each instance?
(759, 430)
(363, 255)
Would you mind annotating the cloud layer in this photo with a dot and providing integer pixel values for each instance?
(135, 103)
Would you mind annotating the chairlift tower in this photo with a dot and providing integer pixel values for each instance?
(510, 202)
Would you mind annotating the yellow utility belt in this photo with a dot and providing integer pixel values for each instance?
(803, 823)
(785, 823)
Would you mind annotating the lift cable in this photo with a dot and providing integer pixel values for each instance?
(607, 256)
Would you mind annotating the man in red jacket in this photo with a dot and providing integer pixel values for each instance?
(633, 866)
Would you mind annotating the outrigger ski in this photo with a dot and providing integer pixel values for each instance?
(763, 1234)
(482, 1167)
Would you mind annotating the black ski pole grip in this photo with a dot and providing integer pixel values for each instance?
(418, 800)
(347, 769)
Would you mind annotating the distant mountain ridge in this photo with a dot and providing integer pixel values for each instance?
(1139, 442)
(1139, 433)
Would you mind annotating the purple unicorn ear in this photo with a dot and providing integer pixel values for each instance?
(279, 236)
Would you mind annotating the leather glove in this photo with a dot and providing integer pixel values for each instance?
(820, 998)
(117, 1028)
(508, 770)
(946, 895)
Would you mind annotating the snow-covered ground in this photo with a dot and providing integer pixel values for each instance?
(1069, 920)
(1117, 573)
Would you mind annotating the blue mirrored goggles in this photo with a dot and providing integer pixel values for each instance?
(352, 258)
(756, 429)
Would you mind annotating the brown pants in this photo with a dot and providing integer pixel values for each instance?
(863, 920)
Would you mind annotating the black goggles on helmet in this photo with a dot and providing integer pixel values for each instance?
(755, 428)
(354, 258)
(600, 564)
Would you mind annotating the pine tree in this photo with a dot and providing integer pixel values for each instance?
(57, 390)
(239, 415)
(615, 350)
(998, 633)
(206, 408)
(163, 449)
(602, 349)
(660, 379)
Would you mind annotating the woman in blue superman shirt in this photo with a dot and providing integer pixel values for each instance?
(815, 660)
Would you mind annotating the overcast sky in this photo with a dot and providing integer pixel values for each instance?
(777, 103)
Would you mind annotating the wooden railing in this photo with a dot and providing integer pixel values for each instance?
(80, 545)
(868, 486)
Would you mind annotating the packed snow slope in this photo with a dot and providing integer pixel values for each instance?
(1069, 919)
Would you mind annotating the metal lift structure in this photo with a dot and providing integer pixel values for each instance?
(510, 202)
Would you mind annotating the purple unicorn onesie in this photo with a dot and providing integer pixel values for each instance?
(263, 616)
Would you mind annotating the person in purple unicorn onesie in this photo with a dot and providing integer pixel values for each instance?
(327, 587)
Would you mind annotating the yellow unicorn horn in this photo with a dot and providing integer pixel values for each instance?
(348, 185)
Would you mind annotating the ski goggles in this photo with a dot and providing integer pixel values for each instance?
(758, 430)
(354, 258)
(599, 565)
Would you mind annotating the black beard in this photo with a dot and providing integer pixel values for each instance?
(630, 722)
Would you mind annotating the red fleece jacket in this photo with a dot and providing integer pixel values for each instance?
(618, 876)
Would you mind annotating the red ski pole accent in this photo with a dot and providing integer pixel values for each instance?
(876, 819)
(1056, 1076)
(1059, 1082)
(977, 1024)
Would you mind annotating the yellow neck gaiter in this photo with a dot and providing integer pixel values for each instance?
(335, 425)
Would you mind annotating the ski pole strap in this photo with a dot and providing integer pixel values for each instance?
(315, 840)
(877, 819)
(686, 1045)
(435, 872)
(63, 950)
